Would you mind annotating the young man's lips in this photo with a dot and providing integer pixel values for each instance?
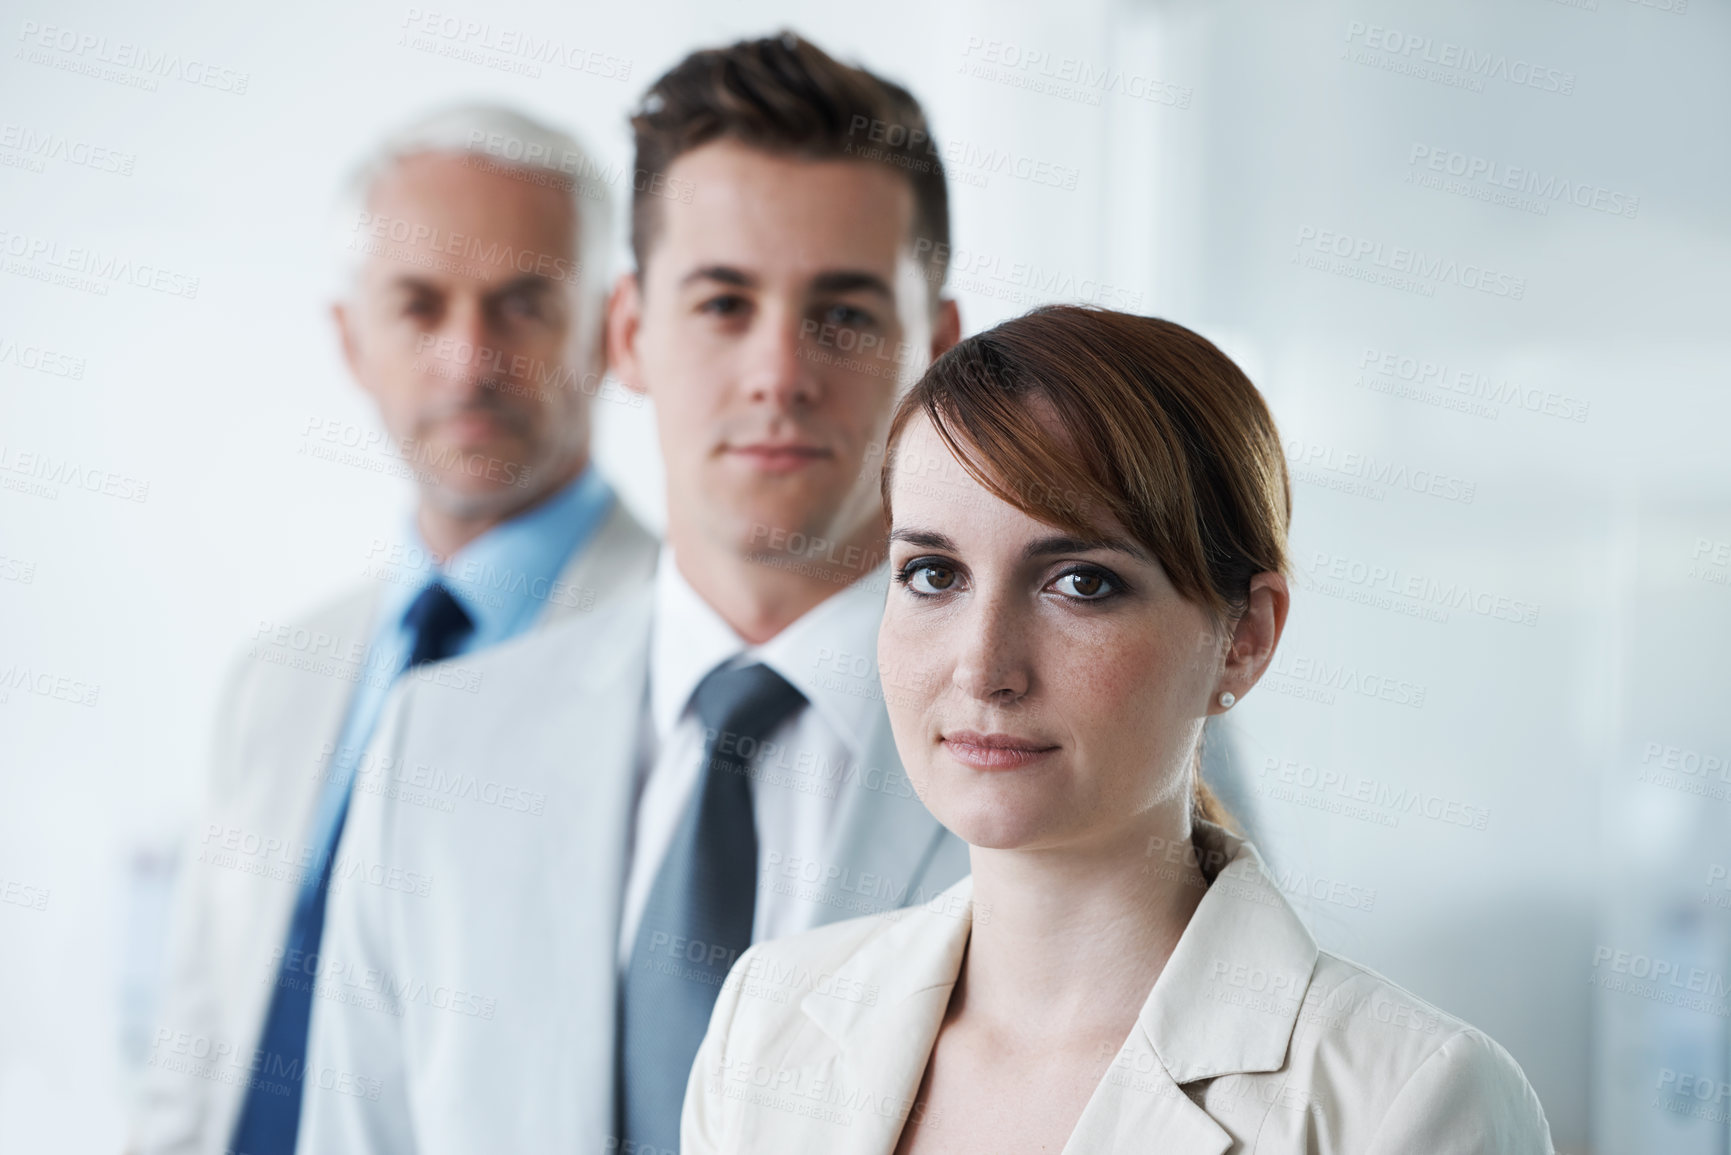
(780, 458)
(994, 751)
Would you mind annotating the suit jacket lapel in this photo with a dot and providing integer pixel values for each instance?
(1224, 1005)
(270, 772)
(1137, 1107)
(1193, 1025)
(617, 561)
(872, 1053)
(594, 747)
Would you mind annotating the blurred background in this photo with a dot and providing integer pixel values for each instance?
(1474, 253)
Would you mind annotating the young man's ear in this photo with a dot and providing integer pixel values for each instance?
(946, 327)
(624, 319)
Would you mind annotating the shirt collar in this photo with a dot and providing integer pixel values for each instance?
(688, 640)
(505, 577)
(829, 653)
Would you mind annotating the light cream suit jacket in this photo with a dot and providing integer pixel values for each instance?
(1251, 1040)
(280, 716)
(481, 1015)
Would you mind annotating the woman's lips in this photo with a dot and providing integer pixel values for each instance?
(994, 751)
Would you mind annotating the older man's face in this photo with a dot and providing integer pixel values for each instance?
(463, 326)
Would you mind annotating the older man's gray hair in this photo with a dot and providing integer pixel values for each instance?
(496, 136)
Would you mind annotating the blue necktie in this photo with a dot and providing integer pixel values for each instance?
(699, 913)
(270, 1117)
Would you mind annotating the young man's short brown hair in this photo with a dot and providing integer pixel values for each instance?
(784, 94)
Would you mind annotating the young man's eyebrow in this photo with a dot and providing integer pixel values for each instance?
(836, 281)
(852, 281)
(724, 274)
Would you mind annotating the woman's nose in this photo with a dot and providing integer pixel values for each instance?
(992, 658)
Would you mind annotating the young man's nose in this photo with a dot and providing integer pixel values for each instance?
(778, 363)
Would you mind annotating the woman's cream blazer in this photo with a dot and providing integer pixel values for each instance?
(1252, 1040)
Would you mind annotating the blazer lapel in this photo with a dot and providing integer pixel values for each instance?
(872, 1053)
(1228, 999)
(594, 747)
(615, 563)
(268, 780)
(1137, 1107)
(1224, 1005)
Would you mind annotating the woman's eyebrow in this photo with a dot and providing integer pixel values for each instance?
(1039, 548)
(1063, 543)
(924, 538)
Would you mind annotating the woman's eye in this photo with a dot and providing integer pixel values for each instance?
(1086, 585)
(929, 579)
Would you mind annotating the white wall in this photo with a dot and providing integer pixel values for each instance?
(1595, 522)
(1227, 130)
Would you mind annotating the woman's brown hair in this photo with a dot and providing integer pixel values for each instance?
(1142, 421)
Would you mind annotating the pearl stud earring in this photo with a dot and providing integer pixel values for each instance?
(1226, 699)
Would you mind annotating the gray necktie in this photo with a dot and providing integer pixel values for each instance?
(698, 917)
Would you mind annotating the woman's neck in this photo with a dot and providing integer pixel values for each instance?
(1067, 943)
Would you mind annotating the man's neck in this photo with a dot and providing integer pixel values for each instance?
(446, 531)
(759, 594)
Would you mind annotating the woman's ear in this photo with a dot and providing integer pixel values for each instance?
(1254, 638)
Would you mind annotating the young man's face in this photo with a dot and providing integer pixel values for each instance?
(779, 315)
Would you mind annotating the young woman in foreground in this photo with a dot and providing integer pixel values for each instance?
(1089, 515)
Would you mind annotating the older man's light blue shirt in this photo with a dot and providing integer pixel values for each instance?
(504, 579)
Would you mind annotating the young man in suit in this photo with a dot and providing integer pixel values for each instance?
(711, 762)
(473, 318)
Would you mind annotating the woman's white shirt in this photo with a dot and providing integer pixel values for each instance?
(1251, 1040)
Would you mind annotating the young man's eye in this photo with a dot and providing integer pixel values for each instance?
(926, 577)
(1086, 585)
(730, 305)
(848, 317)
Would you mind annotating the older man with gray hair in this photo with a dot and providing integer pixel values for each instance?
(477, 243)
